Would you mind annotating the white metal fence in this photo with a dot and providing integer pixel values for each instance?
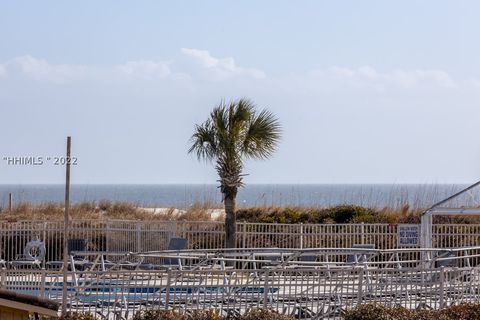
(308, 293)
(233, 281)
(141, 236)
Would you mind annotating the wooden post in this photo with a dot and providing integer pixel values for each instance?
(10, 202)
(66, 229)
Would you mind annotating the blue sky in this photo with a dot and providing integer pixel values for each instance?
(367, 91)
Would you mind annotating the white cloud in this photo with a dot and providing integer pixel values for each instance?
(418, 77)
(327, 79)
(221, 68)
(145, 69)
(39, 69)
(369, 76)
(42, 70)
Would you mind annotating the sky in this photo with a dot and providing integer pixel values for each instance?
(366, 91)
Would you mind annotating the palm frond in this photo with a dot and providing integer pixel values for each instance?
(204, 142)
(262, 137)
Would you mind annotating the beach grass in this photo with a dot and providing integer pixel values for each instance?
(208, 211)
(109, 210)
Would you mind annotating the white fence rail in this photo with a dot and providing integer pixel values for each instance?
(141, 236)
(314, 293)
(233, 281)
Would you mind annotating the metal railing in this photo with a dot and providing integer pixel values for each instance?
(281, 281)
(139, 236)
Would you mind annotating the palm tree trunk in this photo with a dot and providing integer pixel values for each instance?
(230, 221)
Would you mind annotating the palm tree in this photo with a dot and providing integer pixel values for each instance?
(233, 133)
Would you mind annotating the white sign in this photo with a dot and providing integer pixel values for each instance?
(408, 235)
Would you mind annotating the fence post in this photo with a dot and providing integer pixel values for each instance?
(45, 240)
(139, 236)
(301, 235)
(173, 229)
(442, 280)
(183, 229)
(170, 232)
(360, 286)
(107, 234)
(362, 231)
(10, 202)
(167, 294)
(266, 289)
(42, 283)
(3, 275)
(244, 234)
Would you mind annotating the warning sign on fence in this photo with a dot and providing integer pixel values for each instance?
(408, 235)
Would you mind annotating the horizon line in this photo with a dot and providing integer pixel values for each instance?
(253, 183)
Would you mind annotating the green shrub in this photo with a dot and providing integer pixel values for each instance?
(254, 214)
(205, 315)
(375, 312)
(264, 314)
(286, 215)
(379, 312)
(350, 213)
(270, 215)
(255, 314)
(360, 312)
(464, 311)
(78, 316)
(337, 214)
(173, 315)
(159, 315)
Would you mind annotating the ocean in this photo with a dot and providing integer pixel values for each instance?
(182, 196)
